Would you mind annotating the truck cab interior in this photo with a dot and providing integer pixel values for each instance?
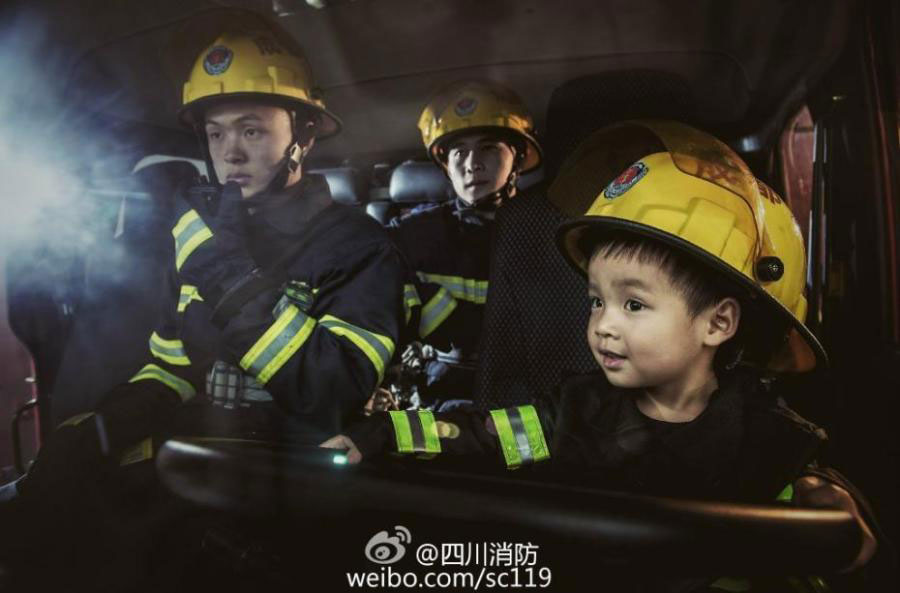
(806, 92)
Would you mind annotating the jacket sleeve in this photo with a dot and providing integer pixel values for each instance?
(515, 436)
(135, 409)
(321, 354)
(452, 310)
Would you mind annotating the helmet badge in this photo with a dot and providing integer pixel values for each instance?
(625, 180)
(217, 60)
(465, 106)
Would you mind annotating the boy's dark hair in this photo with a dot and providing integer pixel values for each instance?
(758, 335)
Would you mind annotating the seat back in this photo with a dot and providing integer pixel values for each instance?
(413, 184)
(537, 308)
(122, 290)
(345, 184)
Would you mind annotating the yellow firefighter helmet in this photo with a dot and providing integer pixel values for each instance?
(695, 194)
(256, 67)
(477, 105)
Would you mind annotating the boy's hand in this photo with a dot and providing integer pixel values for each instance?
(381, 401)
(343, 442)
(813, 491)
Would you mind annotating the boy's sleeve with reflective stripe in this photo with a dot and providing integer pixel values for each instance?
(514, 436)
(325, 361)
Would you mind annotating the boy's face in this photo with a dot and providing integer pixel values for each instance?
(478, 165)
(641, 331)
(247, 142)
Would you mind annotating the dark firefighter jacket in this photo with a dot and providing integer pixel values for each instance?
(449, 248)
(310, 354)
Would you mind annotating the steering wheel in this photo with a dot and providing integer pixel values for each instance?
(615, 528)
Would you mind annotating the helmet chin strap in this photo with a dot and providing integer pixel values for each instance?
(293, 155)
(495, 199)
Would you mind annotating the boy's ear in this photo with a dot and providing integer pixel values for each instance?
(723, 321)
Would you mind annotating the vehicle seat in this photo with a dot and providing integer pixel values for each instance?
(537, 307)
(346, 185)
(122, 288)
(413, 184)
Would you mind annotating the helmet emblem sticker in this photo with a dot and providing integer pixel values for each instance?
(623, 182)
(466, 106)
(217, 60)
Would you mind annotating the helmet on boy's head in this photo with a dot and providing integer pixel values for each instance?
(475, 106)
(254, 66)
(693, 193)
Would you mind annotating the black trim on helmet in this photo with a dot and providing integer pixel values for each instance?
(754, 290)
(515, 139)
(187, 113)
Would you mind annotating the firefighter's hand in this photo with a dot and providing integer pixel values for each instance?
(381, 401)
(217, 262)
(343, 442)
(813, 491)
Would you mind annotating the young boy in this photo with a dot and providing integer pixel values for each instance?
(695, 282)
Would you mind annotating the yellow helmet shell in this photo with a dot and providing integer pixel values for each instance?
(477, 105)
(698, 196)
(253, 67)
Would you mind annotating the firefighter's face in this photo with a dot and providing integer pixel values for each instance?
(247, 142)
(641, 332)
(478, 165)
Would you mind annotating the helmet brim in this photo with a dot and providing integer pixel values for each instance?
(329, 125)
(534, 156)
(806, 350)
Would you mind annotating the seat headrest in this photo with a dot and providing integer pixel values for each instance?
(345, 183)
(419, 181)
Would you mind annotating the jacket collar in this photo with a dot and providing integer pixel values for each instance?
(290, 209)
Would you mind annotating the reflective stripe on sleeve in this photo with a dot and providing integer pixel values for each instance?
(464, 289)
(415, 431)
(189, 233)
(436, 311)
(283, 338)
(521, 437)
(184, 389)
(410, 300)
(188, 294)
(377, 348)
(171, 351)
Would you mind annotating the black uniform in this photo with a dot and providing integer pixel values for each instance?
(449, 246)
(746, 446)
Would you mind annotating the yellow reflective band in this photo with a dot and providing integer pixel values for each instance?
(171, 351)
(464, 289)
(189, 233)
(520, 434)
(410, 300)
(278, 344)
(76, 419)
(415, 431)
(184, 389)
(188, 294)
(377, 348)
(436, 311)
(140, 452)
(786, 495)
